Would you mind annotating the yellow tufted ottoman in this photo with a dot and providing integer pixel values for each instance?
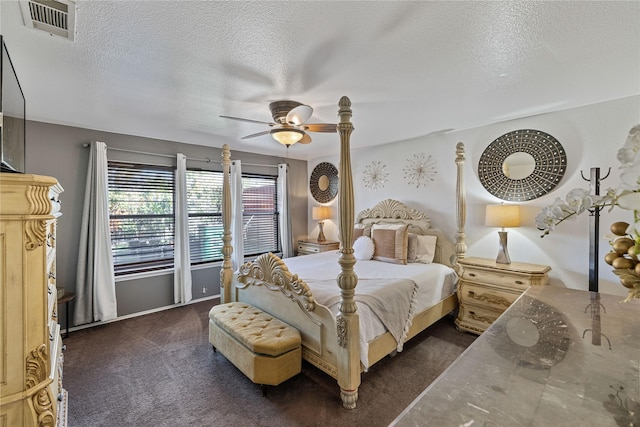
(265, 349)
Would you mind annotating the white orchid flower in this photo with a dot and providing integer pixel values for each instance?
(579, 200)
(630, 176)
(629, 152)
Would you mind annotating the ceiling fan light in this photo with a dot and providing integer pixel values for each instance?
(287, 136)
(299, 115)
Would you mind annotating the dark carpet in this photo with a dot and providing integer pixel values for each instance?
(160, 370)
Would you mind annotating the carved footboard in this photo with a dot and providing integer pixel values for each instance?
(268, 284)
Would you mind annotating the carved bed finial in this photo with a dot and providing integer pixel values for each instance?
(461, 208)
(226, 272)
(348, 329)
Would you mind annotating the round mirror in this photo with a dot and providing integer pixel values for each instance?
(522, 165)
(518, 165)
(324, 182)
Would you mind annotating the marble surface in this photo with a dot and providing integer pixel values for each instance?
(556, 357)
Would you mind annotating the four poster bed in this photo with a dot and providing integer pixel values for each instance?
(345, 332)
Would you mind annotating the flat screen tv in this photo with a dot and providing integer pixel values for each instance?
(12, 116)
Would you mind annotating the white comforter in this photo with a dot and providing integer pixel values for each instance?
(434, 282)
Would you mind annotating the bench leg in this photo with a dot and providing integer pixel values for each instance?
(214, 348)
(264, 390)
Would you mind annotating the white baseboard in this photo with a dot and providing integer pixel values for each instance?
(141, 313)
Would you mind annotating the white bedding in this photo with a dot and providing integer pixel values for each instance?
(435, 282)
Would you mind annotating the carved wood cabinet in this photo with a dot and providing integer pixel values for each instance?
(486, 289)
(31, 392)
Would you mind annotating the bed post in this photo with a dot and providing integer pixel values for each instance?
(461, 208)
(347, 319)
(226, 273)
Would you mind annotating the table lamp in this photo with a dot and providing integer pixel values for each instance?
(503, 216)
(320, 213)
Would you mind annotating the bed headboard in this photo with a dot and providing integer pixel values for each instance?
(393, 211)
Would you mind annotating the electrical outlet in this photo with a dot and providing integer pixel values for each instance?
(204, 290)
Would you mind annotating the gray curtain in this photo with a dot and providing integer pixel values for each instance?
(286, 240)
(237, 223)
(181, 254)
(95, 279)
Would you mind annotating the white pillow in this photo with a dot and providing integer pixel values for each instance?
(363, 248)
(422, 249)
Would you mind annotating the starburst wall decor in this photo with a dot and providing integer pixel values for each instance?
(375, 175)
(420, 170)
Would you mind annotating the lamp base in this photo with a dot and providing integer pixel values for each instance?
(321, 237)
(503, 254)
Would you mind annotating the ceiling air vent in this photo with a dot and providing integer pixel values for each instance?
(53, 16)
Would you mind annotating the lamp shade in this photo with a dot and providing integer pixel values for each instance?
(320, 213)
(504, 216)
(287, 136)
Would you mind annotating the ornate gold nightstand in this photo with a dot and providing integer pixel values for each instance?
(486, 289)
(307, 247)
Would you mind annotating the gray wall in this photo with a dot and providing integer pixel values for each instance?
(58, 151)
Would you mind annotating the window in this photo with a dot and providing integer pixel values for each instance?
(260, 217)
(141, 216)
(204, 200)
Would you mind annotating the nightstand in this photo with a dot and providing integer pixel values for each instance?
(486, 289)
(307, 247)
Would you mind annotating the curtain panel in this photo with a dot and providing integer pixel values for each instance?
(237, 223)
(286, 241)
(182, 292)
(95, 278)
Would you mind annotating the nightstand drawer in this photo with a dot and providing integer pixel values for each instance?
(494, 298)
(497, 278)
(307, 247)
(476, 319)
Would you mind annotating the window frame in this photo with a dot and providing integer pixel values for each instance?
(140, 266)
(149, 267)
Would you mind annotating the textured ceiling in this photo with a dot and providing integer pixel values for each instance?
(168, 69)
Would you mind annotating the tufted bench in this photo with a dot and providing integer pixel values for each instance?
(265, 349)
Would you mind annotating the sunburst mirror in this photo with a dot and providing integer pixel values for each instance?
(522, 165)
(324, 182)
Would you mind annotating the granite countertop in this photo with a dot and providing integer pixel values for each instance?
(556, 357)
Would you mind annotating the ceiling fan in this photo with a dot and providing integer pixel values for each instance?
(289, 123)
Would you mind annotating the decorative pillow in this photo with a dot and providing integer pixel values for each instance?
(421, 248)
(412, 247)
(390, 242)
(361, 230)
(363, 248)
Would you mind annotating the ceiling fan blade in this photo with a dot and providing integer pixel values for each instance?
(299, 114)
(321, 127)
(248, 120)
(306, 139)
(253, 135)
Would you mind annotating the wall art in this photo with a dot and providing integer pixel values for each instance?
(375, 175)
(420, 170)
(324, 182)
(538, 154)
